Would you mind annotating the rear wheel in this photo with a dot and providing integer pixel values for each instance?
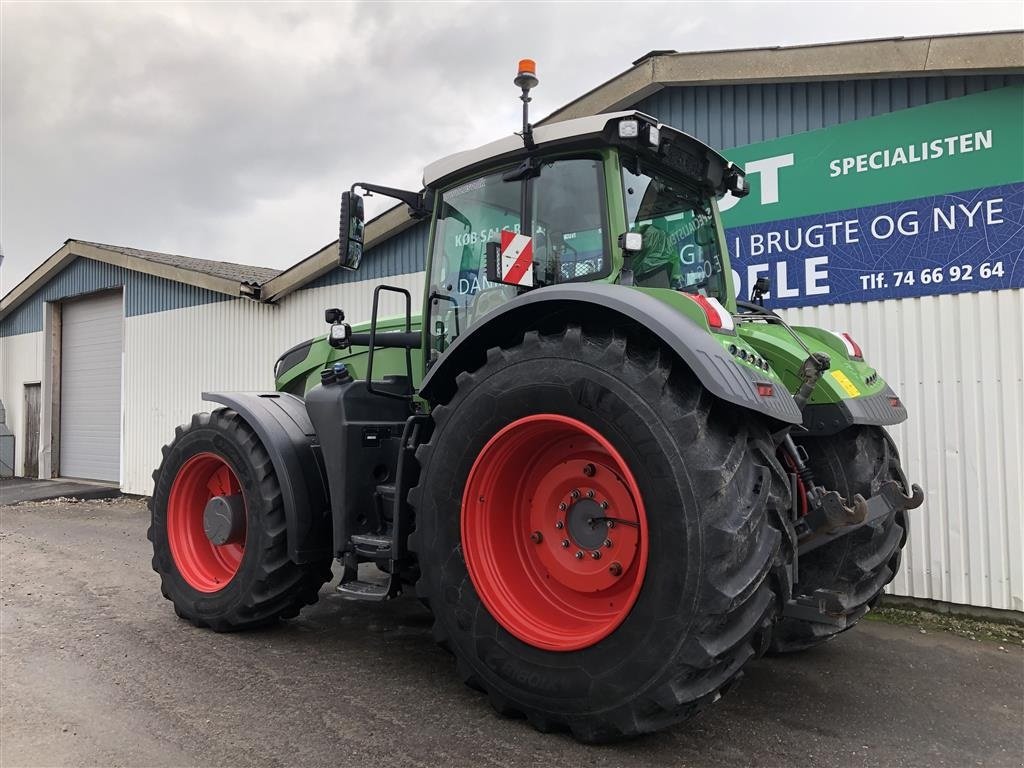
(860, 564)
(218, 529)
(595, 532)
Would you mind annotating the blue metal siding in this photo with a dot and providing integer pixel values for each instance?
(402, 254)
(143, 293)
(726, 116)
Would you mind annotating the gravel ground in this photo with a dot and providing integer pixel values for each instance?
(95, 669)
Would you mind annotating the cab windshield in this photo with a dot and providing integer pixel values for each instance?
(681, 249)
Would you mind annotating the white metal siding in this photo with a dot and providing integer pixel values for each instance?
(172, 357)
(21, 361)
(90, 393)
(958, 364)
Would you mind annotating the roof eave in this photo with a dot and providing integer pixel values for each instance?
(388, 224)
(862, 59)
(73, 249)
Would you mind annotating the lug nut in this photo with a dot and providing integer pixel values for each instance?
(575, 493)
(579, 554)
(608, 543)
(590, 493)
(563, 506)
(536, 537)
(596, 554)
(589, 470)
(615, 569)
(565, 543)
(559, 524)
(610, 524)
(604, 505)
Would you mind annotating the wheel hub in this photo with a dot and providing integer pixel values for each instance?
(554, 532)
(206, 522)
(586, 524)
(224, 519)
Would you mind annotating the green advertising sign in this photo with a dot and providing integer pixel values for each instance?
(966, 143)
(923, 201)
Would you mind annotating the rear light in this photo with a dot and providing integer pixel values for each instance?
(717, 315)
(764, 389)
(895, 402)
(852, 347)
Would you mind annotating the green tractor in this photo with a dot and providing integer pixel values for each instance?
(611, 483)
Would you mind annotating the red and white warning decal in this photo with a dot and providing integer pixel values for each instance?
(516, 259)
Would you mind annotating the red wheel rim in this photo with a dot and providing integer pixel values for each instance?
(545, 494)
(207, 567)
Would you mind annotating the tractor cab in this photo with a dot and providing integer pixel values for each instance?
(613, 198)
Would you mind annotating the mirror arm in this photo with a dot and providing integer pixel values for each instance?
(415, 200)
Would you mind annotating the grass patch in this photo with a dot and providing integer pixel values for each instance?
(973, 629)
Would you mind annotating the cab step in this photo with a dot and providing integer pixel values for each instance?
(372, 545)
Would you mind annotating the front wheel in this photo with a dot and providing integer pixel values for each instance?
(595, 534)
(218, 529)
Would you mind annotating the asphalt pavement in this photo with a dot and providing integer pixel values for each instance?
(95, 669)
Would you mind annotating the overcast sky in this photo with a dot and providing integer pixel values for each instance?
(228, 131)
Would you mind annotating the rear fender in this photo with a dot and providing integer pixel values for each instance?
(284, 428)
(551, 308)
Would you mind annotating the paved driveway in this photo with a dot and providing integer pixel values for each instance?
(97, 670)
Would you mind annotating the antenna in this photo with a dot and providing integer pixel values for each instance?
(527, 79)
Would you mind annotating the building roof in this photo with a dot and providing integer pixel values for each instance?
(243, 273)
(219, 276)
(992, 52)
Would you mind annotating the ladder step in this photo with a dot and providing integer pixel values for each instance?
(365, 590)
(372, 545)
(387, 492)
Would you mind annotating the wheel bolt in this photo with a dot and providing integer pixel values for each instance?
(608, 543)
(579, 554)
(536, 537)
(611, 523)
(562, 507)
(615, 569)
(596, 554)
(590, 493)
(604, 505)
(559, 524)
(565, 543)
(589, 470)
(575, 493)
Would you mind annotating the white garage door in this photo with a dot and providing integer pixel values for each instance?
(90, 387)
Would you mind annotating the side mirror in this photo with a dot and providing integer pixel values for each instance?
(350, 235)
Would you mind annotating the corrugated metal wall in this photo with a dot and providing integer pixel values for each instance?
(726, 116)
(172, 357)
(958, 363)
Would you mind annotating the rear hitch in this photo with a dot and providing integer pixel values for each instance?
(833, 518)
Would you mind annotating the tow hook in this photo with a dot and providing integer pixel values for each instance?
(832, 518)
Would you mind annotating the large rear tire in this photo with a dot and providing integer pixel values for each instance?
(246, 580)
(860, 564)
(511, 488)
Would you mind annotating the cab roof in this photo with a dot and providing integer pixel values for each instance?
(512, 147)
